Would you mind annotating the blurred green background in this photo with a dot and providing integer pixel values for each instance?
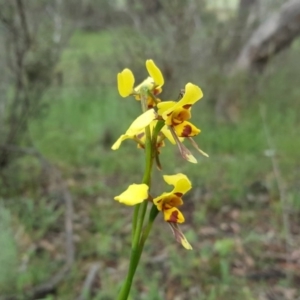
(60, 112)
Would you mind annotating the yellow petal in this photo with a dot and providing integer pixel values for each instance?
(184, 242)
(186, 129)
(173, 215)
(192, 94)
(155, 72)
(179, 115)
(165, 106)
(125, 82)
(159, 201)
(135, 193)
(173, 201)
(141, 122)
(167, 133)
(184, 151)
(197, 147)
(180, 182)
(190, 157)
(119, 141)
(179, 236)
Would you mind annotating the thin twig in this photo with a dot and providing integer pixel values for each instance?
(69, 212)
(88, 283)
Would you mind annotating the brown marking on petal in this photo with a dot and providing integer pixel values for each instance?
(187, 106)
(169, 114)
(177, 233)
(159, 145)
(187, 130)
(176, 122)
(178, 194)
(155, 92)
(140, 135)
(167, 205)
(174, 217)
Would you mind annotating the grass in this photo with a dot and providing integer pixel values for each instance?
(230, 233)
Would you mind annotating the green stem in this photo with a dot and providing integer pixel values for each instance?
(134, 221)
(138, 220)
(152, 215)
(134, 256)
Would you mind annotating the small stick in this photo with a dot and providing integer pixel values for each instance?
(88, 283)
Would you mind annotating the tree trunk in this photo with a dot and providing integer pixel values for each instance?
(272, 36)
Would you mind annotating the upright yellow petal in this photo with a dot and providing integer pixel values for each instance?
(135, 193)
(180, 182)
(125, 82)
(192, 94)
(141, 122)
(154, 72)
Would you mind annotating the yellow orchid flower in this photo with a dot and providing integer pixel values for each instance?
(176, 116)
(168, 203)
(153, 83)
(135, 193)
